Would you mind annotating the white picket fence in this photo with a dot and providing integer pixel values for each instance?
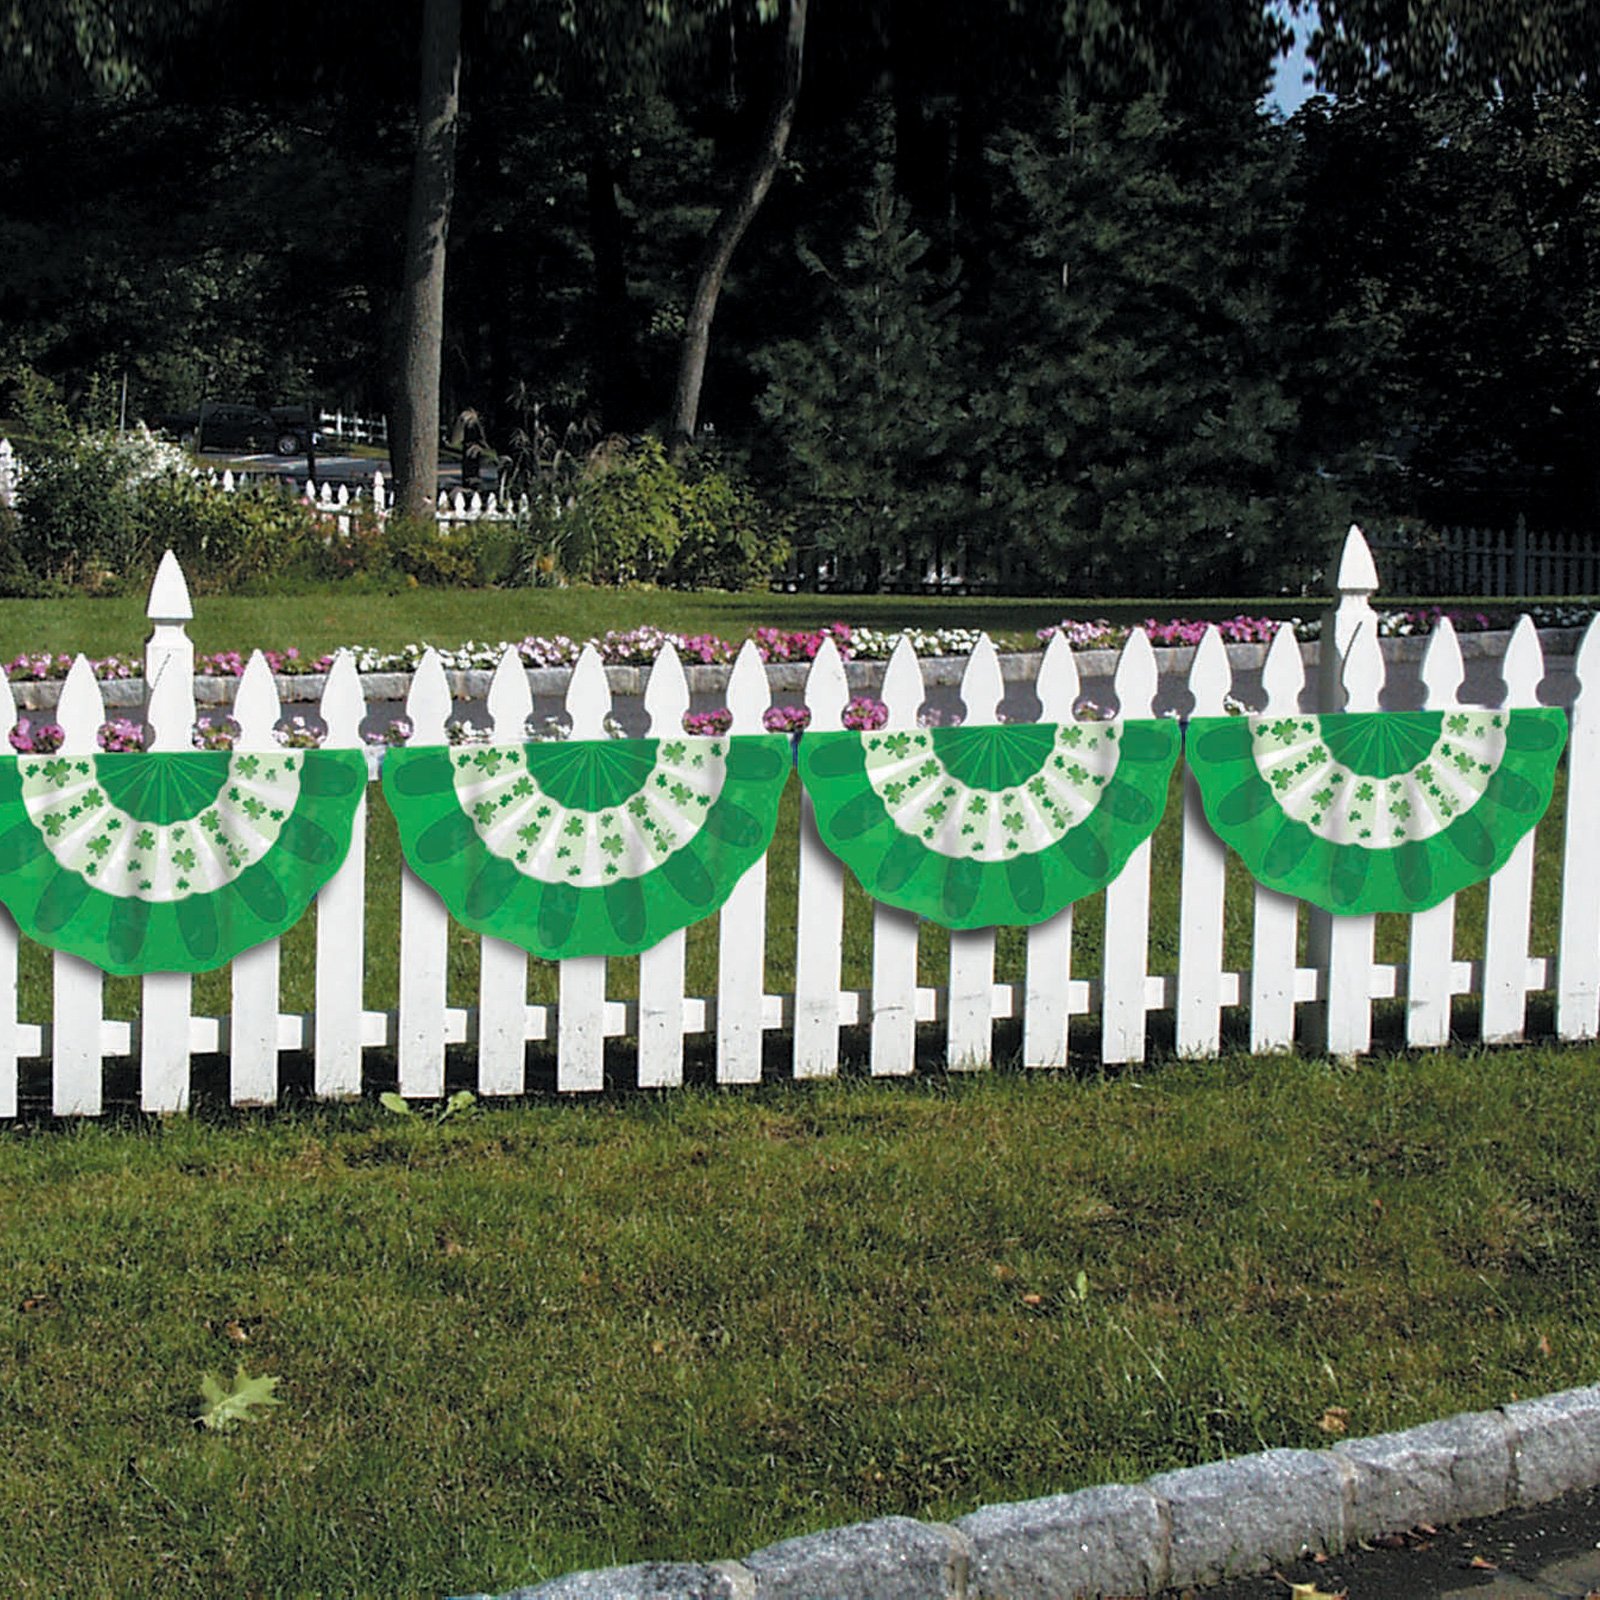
(1327, 1001)
(344, 425)
(342, 501)
(338, 501)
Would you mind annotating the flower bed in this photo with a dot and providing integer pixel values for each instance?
(640, 646)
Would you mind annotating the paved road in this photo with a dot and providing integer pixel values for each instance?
(1550, 1552)
(335, 468)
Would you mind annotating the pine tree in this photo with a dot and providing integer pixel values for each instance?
(868, 410)
(1136, 431)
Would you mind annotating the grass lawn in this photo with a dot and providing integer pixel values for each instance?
(322, 619)
(572, 1334)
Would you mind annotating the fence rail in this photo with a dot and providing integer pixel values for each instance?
(1324, 997)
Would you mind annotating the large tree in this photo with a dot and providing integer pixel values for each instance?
(1480, 47)
(414, 400)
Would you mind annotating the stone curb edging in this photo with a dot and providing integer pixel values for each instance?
(784, 676)
(1200, 1525)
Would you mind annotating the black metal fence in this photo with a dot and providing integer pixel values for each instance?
(1489, 561)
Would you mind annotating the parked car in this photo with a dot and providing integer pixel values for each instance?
(221, 425)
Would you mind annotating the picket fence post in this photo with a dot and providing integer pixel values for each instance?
(1578, 953)
(10, 948)
(1510, 895)
(894, 932)
(503, 966)
(1344, 628)
(1275, 935)
(666, 701)
(739, 1014)
(819, 917)
(424, 922)
(1125, 958)
(581, 1009)
(166, 998)
(1047, 1007)
(78, 998)
(970, 1034)
(339, 1025)
(1204, 875)
(1430, 961)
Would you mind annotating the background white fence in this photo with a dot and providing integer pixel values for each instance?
(343, 501)
(1326, 998)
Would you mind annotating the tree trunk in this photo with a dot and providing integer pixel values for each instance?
(414, 403)
(729, 229)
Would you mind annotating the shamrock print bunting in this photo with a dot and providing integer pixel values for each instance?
(989, 825)
(1376, 811)
(586, 847)
(171, 862)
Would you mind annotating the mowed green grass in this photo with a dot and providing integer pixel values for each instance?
(322, 619)
(570, 1334)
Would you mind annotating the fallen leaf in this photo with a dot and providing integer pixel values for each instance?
(1309, 1591)
(1336, 1419)
(37, 1302)
(1482, 1564)
(226, 1406)
(237, 1332)
(1033, 1299)
(1544, 1345)
(658, 1347)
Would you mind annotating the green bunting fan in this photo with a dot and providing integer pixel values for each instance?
(171, 862)
(1376, 811)
(587, 847)
(985, 826)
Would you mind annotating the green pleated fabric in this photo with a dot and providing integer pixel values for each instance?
(171, 862)
(1358, 812)
(989, 826)
(586, 847)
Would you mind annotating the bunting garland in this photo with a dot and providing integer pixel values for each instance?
(171, 862)
(986, 826)
(1376, 811)
(587, 847)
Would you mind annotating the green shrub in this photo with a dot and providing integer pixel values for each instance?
(625, 526)
(730, 539)
(82, 511)
(228, 541)
(483, 554)
(637, 516)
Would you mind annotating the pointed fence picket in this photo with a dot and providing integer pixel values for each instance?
(1275, 936)
(741, 1003)
(894, 932)
(1124, 981)
(819, 918)
(1431, 956)
(424, 923)
(1578, 961)
(1326, 998)
(1051, 996)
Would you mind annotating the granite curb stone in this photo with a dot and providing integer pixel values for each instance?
(1440, 1472)
(891, 1558)
(1192, 1526)
(1231, 1519)
(1555, 1444)
(1112, 1540)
